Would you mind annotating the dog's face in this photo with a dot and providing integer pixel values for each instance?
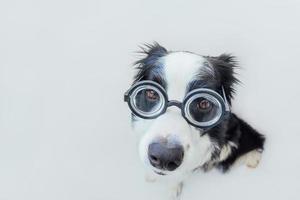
(168, 144)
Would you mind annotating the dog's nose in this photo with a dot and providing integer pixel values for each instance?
(165, 155)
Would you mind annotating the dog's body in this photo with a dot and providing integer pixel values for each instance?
(221, 146)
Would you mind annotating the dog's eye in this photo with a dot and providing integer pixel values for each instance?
(203, 105)
(151, 95)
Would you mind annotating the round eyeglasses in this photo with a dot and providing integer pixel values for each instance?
(203, 108)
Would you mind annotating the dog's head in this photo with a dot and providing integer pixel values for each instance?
(169, 142)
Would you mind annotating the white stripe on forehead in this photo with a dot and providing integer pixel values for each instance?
(180, 69)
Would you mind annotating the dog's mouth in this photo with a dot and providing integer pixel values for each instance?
(160, 173)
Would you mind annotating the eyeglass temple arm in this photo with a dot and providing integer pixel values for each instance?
(227, 107)
(126, 96)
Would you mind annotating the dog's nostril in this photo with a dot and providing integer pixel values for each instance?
(171, 166)
(154, 159)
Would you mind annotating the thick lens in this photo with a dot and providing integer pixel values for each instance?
(147, 101)
(203, 109)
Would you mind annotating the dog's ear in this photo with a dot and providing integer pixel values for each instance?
(151, 53)
(224, 67)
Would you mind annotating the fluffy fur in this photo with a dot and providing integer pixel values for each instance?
(179, 72)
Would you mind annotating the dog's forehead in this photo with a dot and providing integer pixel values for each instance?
(180, 69)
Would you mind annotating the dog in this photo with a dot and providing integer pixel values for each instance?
(180, 103)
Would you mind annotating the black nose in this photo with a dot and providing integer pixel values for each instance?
(165, 155)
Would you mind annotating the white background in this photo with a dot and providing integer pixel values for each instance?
(64, 66)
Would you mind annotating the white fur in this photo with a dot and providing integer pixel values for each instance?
(180, 69)
(250, 159)
(226, 150)
(176, 191)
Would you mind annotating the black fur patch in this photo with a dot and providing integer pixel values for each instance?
(224, 66)
(246, 138)
(235, 131)
(149, 67)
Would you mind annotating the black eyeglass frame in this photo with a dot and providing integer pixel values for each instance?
(225, 108)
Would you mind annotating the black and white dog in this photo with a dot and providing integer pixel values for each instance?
(180, 104)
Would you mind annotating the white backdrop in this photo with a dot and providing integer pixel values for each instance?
(64, 65)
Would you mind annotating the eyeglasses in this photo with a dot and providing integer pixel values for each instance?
(203, 108)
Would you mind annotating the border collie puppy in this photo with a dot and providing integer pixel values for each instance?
(180, 103)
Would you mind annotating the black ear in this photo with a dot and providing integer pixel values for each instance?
(149, 64)
(224, 67)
